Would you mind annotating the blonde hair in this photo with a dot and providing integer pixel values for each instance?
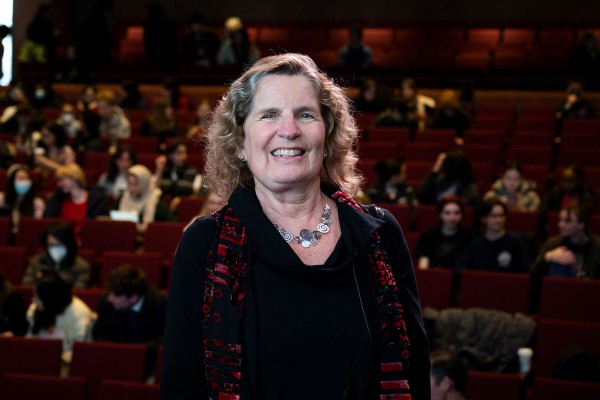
(223, 169)
(73, 171)
(107, 96)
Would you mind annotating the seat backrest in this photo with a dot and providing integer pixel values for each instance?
(150, 263)
(556, 389)
(30, 387)
(101, 360)
(163, 237)
(495, 290)
(4, 229)
(555, 336)
(12, 263)
(435, 287)
(108, 235)
(90, 297)
(570, 299)
(42, 355)
(30, 232)
(492, 386)
(114, 390)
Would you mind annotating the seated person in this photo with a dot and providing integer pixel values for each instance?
(574, 252)
(451, 174)
(450, 114)
(174, 175)
(448, 377)
(409, 108)
(12, 310)
(113, 124)
(355, 54)
(73, 200)
(571, 190)
(54, 151)
(370, 99)
(201, 120)
(131, 312)
(19, 195)
(390, 185)
(443, 245)
(56, 314)
(513, 190)
(114, 181)
(60, 256)
(161, 122)
(575, 104)
(143, 198)
(496, 249)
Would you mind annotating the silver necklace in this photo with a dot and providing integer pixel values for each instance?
(307, 237)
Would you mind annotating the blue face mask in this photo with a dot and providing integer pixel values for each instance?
(22, 187)
(57, 252)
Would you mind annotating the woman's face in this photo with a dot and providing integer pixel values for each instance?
(495, 220)
(124, 162)
(451, 216)
(568, 224)
(179, 156)
(511, 180)
(48, 137)
(284, 139)
(67, 184)
(21, 175)
(569, 181)
(133, 186)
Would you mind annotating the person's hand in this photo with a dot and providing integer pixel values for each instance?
(560, 255)
(571, 99)
(161, 162)
(7, 334)
(438, 163)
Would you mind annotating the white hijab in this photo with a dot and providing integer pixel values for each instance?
(146, 203)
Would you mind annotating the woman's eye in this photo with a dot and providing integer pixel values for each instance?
(268, 116)
(306, 116)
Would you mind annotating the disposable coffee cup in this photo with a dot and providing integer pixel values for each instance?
(525, 354)
(39, 151)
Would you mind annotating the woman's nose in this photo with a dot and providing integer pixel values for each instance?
(289, 127)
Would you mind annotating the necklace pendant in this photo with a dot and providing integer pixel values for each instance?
(305, 244)
(323, 228)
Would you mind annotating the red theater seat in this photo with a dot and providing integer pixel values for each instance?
(435, 287)
(556, 389)
(12, 263)
(34, 387)
(495, 290)
(43, 355)
(493, 386)
(570, 299)
(118, 390)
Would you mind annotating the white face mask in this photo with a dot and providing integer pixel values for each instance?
(67, 118)
(57, 252)
(22, 187)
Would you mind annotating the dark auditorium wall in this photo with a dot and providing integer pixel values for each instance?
(401, 10)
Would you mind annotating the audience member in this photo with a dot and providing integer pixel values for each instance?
(451, 174)
(70, 121)
(390, 186)
(443, 245)
(89, 138)
(575, 105)
(573, 252)
(570, 190)
(143, 198)
(172, 91)
(200, 44)
(160, 35)
(73, 200)
(19, 195)
(513, 190)
(56, 314)
(409, 108)
(370, 99)
(54, 150)
(40, 38)
(495, 249)
(585, 57)
(87, 100)
(43, 96)
(12, 310)
(201, 120)
(59, 255)
(132, 97)
(114, 124)
(237, 50)
(174, 175)
(8, 152)
(355, 54)
(161, 123)
(450, 114)
(114, 180)
(131, 312)
(448, 377)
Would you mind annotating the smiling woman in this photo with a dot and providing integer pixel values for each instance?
(303, 292)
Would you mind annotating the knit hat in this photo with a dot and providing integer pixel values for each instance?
(73, 171)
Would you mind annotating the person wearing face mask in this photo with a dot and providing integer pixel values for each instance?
(60, 256)
(19, 195)
(69, 121)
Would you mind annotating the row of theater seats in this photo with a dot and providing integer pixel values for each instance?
(439, 49)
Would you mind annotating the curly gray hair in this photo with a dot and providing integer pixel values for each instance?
(224, 171)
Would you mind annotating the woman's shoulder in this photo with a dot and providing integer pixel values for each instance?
(79, 308)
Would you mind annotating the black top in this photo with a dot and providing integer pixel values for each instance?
(442, 251)
(505, 254)
(303, 329)
(12, 314)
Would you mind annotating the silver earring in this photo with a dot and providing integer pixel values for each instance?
(325, 155)
(242, 158)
